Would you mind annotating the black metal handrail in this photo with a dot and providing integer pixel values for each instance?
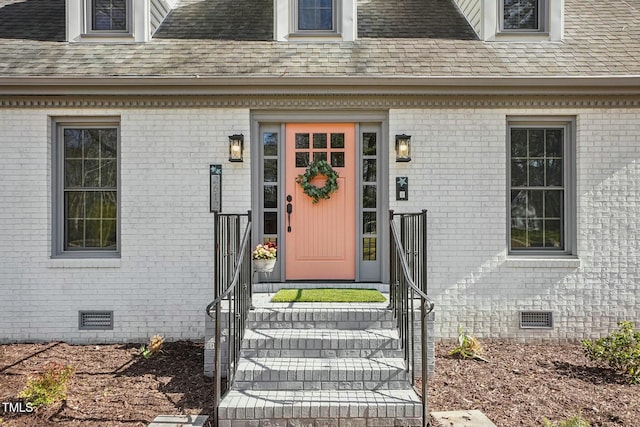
(408, 281)
(233, 284)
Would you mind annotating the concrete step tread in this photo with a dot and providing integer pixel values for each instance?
(301, 363)
(292, 404)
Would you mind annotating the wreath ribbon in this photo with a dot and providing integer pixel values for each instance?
(315, 168)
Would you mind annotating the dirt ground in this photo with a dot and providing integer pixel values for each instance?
(115, 386)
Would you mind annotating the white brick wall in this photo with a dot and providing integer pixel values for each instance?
(458, 174)
(164, 278)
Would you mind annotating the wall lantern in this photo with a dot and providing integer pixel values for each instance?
(403, 148)
(236, 146)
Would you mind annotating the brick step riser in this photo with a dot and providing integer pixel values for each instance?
(341, 325)
(348, 353)
(298, 412)
(321, 385)
(324, 422)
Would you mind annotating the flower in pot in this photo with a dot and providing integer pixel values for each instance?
(264, 257)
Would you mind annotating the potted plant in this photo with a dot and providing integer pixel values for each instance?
(264, 257)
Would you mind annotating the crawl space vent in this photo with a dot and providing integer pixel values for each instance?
(96, 320)
(536, 319)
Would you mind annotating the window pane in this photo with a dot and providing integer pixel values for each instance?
(369, 170)
(74, 205)
(270, 223)
(110, 15)
(109, 144)
(74, 233)
(553, 204)
(553, 234)
(271, 170)
(518, 143)
(535, 206)
(91, 139)
(91, 173)
(519, 204)
(315, 15)
(93, 207)
(369, 248)
(337, 160)
(536, 142)
(369, 225)
(337, 140)
(270, 142)
(518, 173)
(319, 140)
(270, 196)
(302, 140)
(108, 234)
(72, 144)
(554, 143)
(302, 160)
(109, 205)
(73, 173)
(521, 15)
(319, 156)
(108, 173)
(554, 172)
(368, 196)
(535, 236)
(536, 173)
(369, 144)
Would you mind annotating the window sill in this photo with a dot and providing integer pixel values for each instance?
(84, 263)
(315, 36)
(515, 261)
(107, 37)
(522, 36)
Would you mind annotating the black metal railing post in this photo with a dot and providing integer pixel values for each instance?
(408, 278)
(233, 287)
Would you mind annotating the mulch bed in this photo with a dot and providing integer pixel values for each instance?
(115, 386)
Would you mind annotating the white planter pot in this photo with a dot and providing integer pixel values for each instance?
(264, 265)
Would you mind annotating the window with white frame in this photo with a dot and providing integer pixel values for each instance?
(523, 15)
(109, 16)
(86, 188)
(315, 15)
(541, 187)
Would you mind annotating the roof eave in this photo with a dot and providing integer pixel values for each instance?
(291, 85)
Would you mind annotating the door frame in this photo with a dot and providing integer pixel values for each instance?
(364, 121)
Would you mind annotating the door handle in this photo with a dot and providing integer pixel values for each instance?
(289, 211)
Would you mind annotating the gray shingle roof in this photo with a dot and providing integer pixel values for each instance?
(601, 38)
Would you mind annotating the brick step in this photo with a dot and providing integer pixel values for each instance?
(319, 316)
(320, 374)
(318, 343)
(381, 408)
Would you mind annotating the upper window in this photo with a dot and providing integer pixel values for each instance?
(541, 185)
(109, 15)
(522, 15)
(315, 15)
(86, 193)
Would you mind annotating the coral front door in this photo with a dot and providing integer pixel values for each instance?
(320, 237)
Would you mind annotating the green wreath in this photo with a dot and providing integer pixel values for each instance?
(319, 167)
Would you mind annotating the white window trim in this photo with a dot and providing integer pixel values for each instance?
(57, 178)
(285, 23)
(552, 24)
(570, 186)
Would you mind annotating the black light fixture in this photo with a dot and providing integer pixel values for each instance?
(403, 148)
(236, 146)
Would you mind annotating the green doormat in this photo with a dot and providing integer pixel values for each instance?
(328, 295)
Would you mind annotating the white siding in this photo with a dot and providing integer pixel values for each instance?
(472, 10)
(159, 9)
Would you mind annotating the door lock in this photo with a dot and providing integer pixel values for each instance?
(289, 211)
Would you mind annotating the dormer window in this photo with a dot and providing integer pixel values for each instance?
(109, 16)
(315, 20)
(522, 15)
(315, 15)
